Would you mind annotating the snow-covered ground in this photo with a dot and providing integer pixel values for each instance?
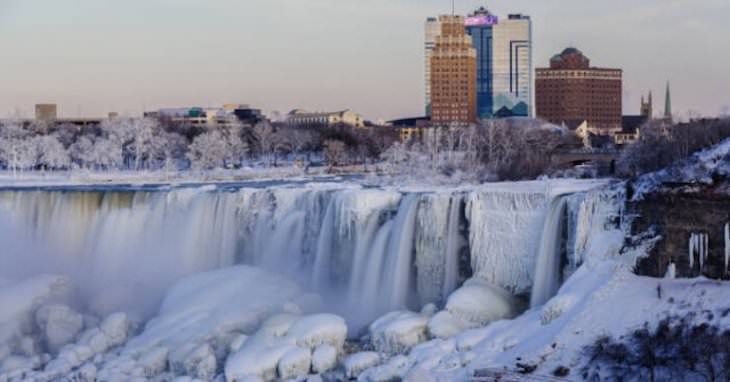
(326, 280)
(702, 168)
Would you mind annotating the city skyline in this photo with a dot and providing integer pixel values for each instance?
(101, 56)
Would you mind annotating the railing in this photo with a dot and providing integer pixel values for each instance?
(496, 375)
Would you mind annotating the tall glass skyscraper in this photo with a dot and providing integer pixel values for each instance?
(504, 83)
(479, 26)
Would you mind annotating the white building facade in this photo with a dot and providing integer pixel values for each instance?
(512, 67)
(304, 118)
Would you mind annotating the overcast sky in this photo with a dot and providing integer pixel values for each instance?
(95, 56)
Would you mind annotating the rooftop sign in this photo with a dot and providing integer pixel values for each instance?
(481, 20)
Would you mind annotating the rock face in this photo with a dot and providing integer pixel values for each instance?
(676, 214)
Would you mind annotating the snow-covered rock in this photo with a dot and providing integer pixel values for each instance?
(397, 332)
(295, 363)
(59, 324)
(444, 324)
(359, 362)
(259, 357)
(319, 329)
(154, 361)
(478, 303)
(324, 358)
(116, 327)
(19, 300)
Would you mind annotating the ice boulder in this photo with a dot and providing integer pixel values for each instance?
(445, 325)
(219, 303)
(257, 358)
(393, 370)
(59, 325)
(479, 303)
(319, 329)
(19, 300)
(324, 359)
(295, 363)
(278, 325)
(359, 362)
(154, 361)
(397, 332)
(116, 327)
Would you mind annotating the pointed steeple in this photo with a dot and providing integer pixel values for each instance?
(668, 103)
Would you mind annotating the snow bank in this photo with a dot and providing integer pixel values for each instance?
(701, 168)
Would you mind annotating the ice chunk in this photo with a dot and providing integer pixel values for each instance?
(116, 327)
(19, 301)
(256, 359)
(359, 362)
(59, 324)
(324, 358)
(478, 303)
(278, 325)
(295, 363)
(154, 362)
(443, 325)
(201, 362)
(230, 300)
(397, 332)
(319, 329)
(237, 343)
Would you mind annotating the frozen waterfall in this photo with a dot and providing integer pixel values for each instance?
(366, 251)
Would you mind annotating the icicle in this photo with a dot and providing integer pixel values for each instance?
(692, 251)
(727, 247)
(671, 272)
(701, 250)
(705, 249)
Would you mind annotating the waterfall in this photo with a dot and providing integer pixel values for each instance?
(400, 254)
(549, 258)
(365, 251)
(453, 242)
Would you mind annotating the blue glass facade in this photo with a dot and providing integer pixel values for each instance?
(482, 36)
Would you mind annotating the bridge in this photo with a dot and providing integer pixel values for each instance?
(564, 158)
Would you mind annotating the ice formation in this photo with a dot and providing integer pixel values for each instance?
(229, 279)
(698, 249)
(727, 247)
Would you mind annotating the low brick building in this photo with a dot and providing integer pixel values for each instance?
(571, 90)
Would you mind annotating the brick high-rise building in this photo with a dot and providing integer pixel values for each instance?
(453, 74)
(570, 91)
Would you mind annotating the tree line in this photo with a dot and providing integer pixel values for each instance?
(151, 144)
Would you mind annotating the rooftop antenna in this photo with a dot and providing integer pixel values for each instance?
(453, 7)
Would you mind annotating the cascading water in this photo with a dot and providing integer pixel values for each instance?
(549, 258)
(365, 251)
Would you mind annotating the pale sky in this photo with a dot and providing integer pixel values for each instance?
(95, 56)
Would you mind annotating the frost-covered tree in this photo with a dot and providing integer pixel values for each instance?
(52, 154)
(216, 149)
(335, 152)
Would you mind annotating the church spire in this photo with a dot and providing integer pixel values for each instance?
(668, 103)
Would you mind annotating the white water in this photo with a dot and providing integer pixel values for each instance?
(366, 251)
(548, 269)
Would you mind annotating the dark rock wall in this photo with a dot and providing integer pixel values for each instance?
(676, 216)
